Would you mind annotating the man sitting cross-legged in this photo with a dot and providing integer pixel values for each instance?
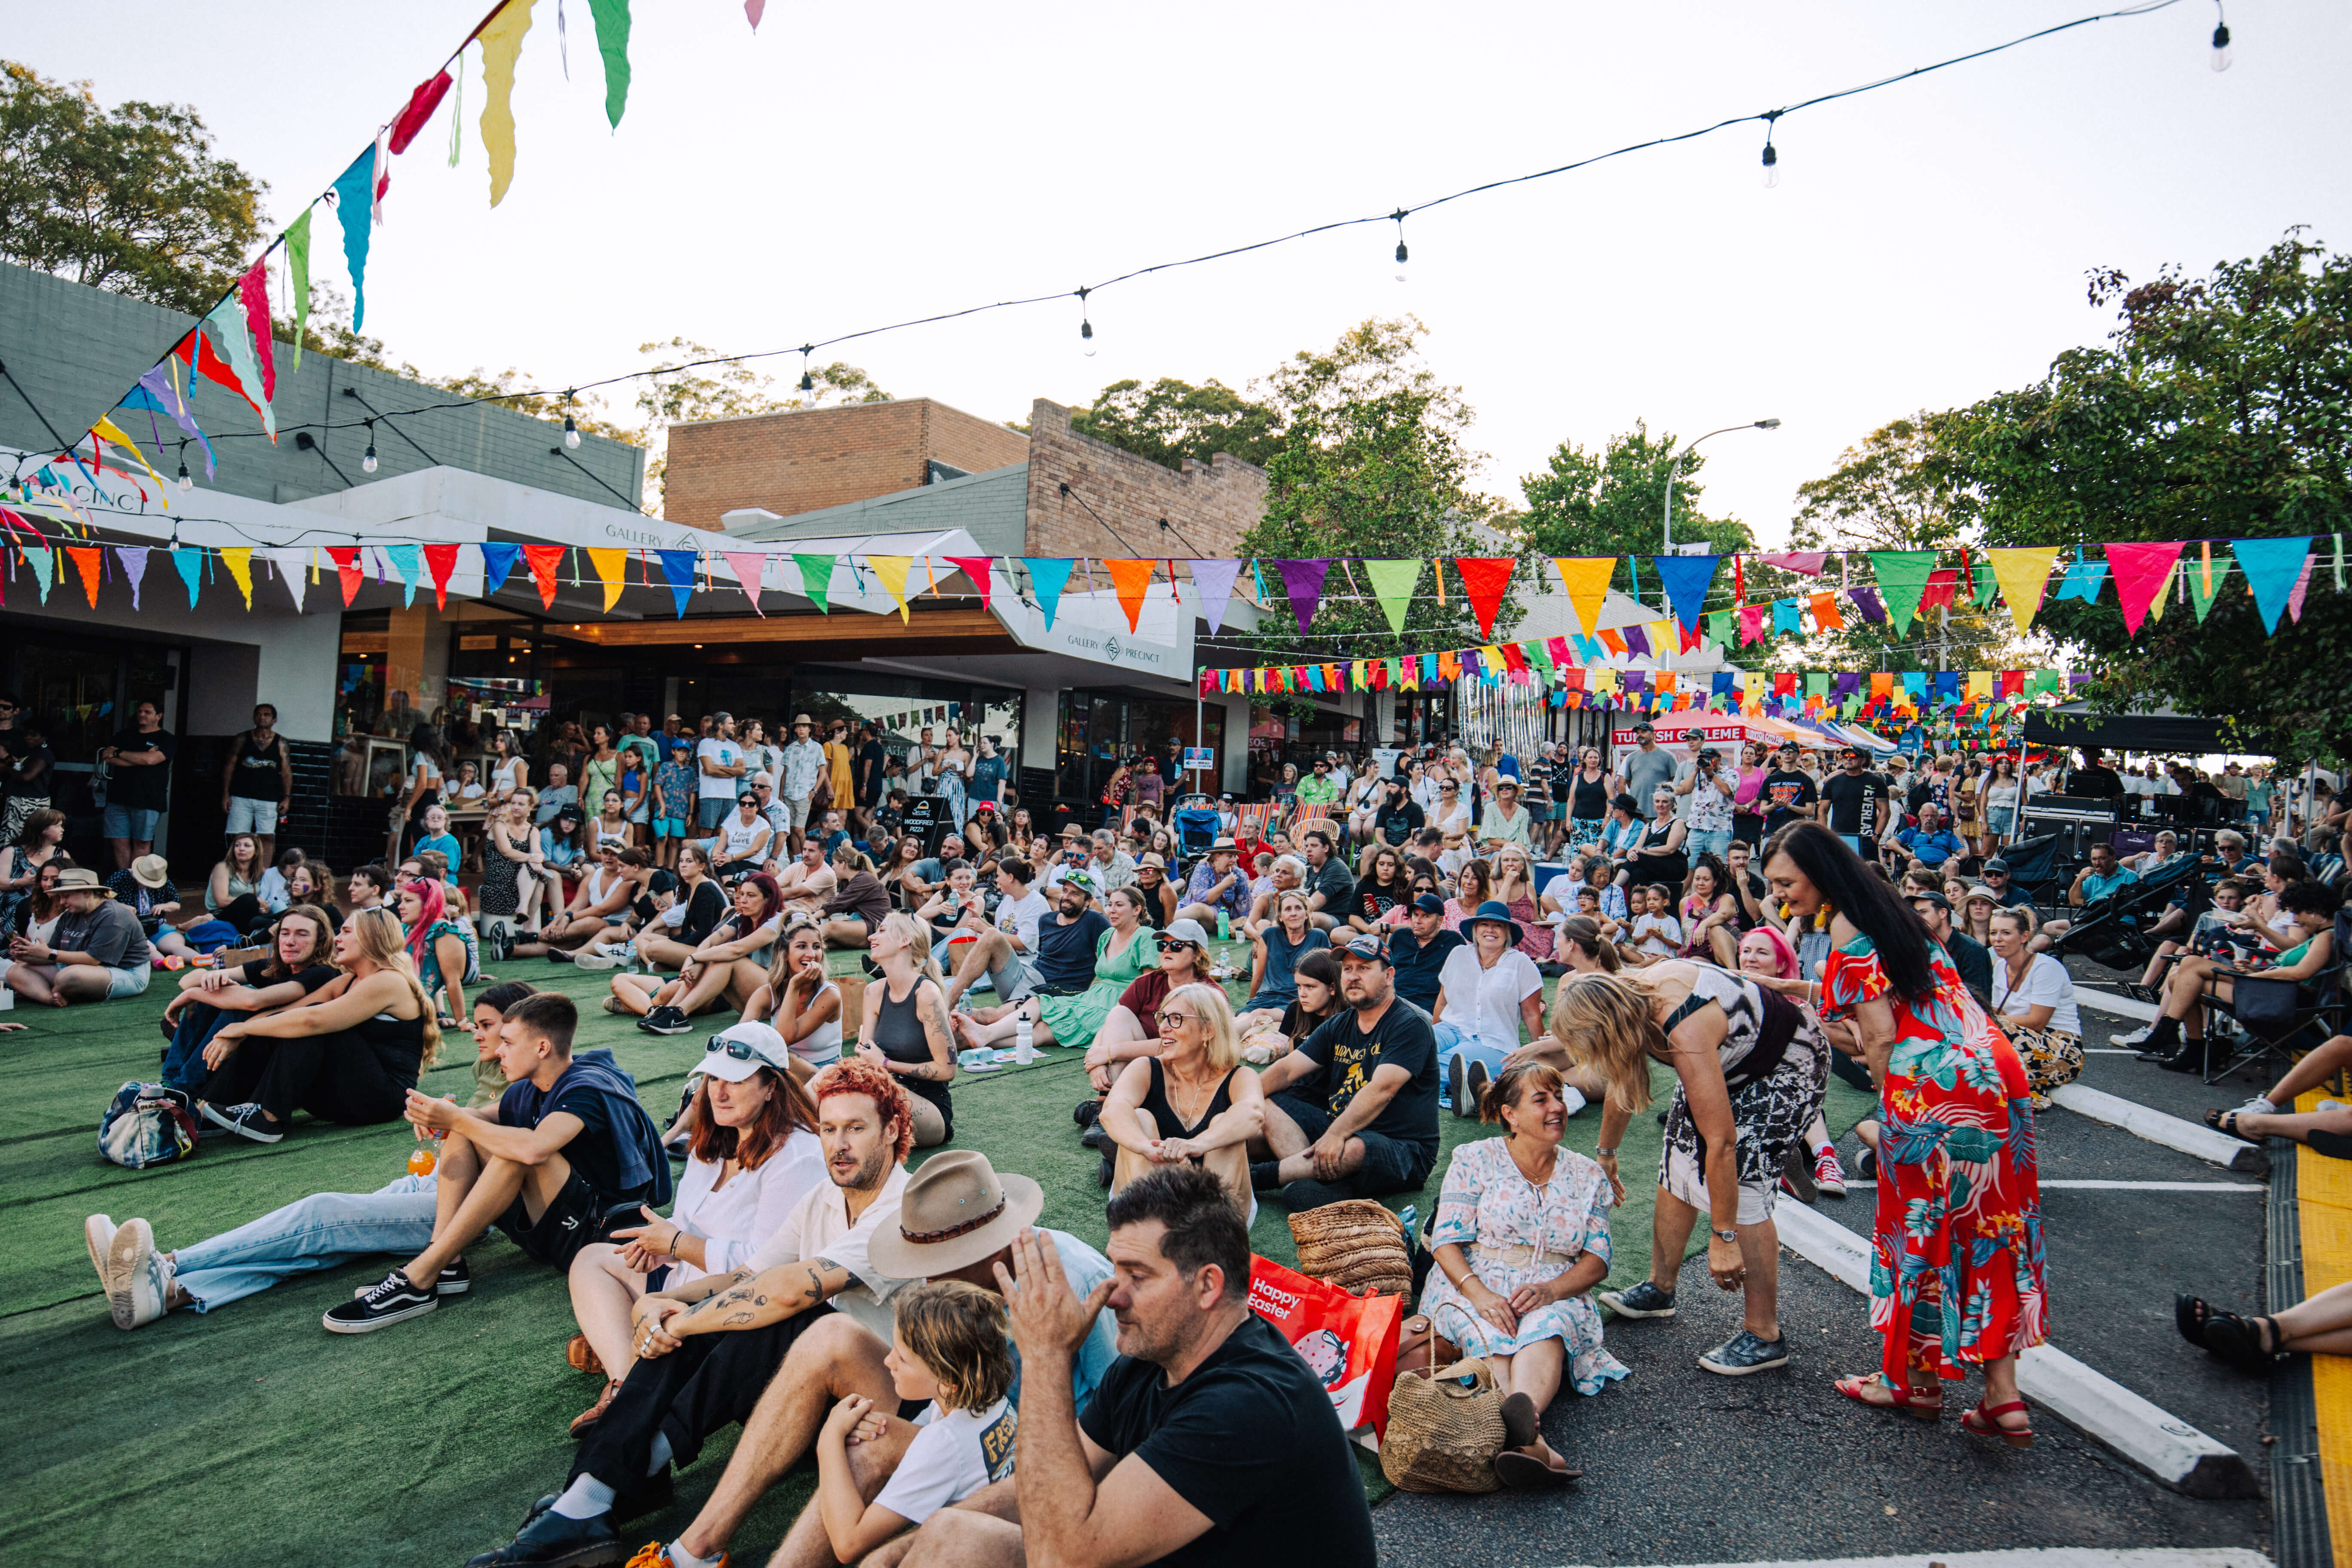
(1211, 1440)
(566, 1146)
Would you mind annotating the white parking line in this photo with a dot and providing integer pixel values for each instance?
(2159, 1442)
(2121, 1007)
(2172, 1131)
(2162, 1186)
(2057, 1557)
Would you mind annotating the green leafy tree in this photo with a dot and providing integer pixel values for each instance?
(1172, 420)
(2220, 407)
(1374, 462)
(1612, 501)
(132, 200)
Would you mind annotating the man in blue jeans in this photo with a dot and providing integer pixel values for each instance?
(138, 782)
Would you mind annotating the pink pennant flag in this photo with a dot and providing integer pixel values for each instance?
(976, 568)
(253, 293)
(749, 566)
(2140, 571)
(1808, 562)
(754, 9)
(2302, 586)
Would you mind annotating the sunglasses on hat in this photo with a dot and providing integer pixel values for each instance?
(740, 1050)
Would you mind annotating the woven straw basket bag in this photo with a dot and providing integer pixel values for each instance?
(1357, 1245)
(1444, 1431)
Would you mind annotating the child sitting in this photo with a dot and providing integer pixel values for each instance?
(1656, 932)
(949, 1348)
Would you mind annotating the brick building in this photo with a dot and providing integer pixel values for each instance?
(812, 458)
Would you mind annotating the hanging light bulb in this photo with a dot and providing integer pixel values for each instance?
(186, 484)
(808, 382)
(571, 427)
(1771, 153)
(1401, 254)
(2220, 41)
(367, 463)
(1086, 326)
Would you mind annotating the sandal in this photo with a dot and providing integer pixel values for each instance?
(580, 1356)
(1984, 1421)
(1520, 1428)
(1525, 1473)
(2241, 1341)
(2227, 1121)
(1930, 1408)
(2190, 1315)
(585, 1422)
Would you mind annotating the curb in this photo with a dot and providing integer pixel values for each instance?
(2299, 1532)
(2172, 1131)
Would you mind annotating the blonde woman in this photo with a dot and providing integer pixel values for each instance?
(1193, 1103)
(350, 1057)
(1515, 887)
(1749, 1071)
(905, 1030)
(798, 1000)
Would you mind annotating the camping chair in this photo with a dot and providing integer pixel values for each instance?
(2113, 930)
(2277, 1019)
(1194, 821)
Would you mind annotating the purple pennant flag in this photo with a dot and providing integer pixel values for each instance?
(1214, 580)
(158, 386)
(1302, 581)
(1866, 600)
(1845, 684)
(133, 561)
(1637, 641)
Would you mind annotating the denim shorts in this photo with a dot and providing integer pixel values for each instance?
(257, 816)
(669, 828)
(128, 982)
(125, 822)
(1706, 841)
(712, 810)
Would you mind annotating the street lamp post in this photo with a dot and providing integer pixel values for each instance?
(1675, 462)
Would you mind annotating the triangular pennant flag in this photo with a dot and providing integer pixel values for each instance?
(290, 560)
(1808, 562)
(816, 579)
(1130, 580)
(612, 18)
(166, 390)
(1392, 584)
(497, 565)
(354, 205)
(298, 278)
(2140, 571)
(414, 116)
(2024, 577)
(190, 563)
(2273, 567)
(977, 568)
(441, 560)
(253, 293)
(611, 566)
(239, 561)
(501, 38)
(133, 559)
(1901, 578)
(893, 570)
(2302, 586)
(1302, 583)
(1215, 579)
(1826, 617)
(44, 562)
(1686, 579)
(86, 560)
(2201, 591)
(346, 558)
(677, 567)
(407, 563)
(2083, 580)
(1585, 580)
(1048, 575)
(544, 560)
(750, 567)
(228, 326)
(105, 428)
(1486, 579)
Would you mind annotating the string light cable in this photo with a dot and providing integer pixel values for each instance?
(1770, 119)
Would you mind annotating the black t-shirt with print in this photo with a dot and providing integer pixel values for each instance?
(1348, 1055)
(1398, 823)
(1784, 793)
(1855, 801)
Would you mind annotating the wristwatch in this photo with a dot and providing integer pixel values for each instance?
(1725, 1235)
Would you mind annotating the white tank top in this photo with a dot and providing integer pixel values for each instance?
(822, 1047)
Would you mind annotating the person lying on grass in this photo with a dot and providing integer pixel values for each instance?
(565, 1148)
(325, 1230)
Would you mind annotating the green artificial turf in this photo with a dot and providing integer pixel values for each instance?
(251, 1434)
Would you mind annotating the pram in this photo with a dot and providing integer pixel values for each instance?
(2114, 931)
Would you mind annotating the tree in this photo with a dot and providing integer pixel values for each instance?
(1172, 420)
(133, 200)
(2220, 407)
(1612, 501)
(1374, 462)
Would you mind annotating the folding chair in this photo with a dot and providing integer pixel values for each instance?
(2277, 1019)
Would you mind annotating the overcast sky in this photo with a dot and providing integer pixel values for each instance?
(849, 166)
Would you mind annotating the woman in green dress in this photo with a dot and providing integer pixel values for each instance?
(1128, 950)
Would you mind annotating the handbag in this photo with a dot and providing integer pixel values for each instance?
(1444, 1429)
(1350, 1341)
(2262, 1006)
(146, 1124)
(1357, 1245)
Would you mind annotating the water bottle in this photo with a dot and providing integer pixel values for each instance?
(1224, 926)
(1024, 1041)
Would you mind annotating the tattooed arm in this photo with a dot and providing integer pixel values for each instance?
(742, 1300)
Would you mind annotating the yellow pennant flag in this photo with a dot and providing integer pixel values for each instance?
(893, 570)
(2156, 606)
(2024, 576)
(106, 428)
(610, 567)
(1586, 578)
(1604, 678)
(501, 38)
(239, 563)
(1980, 686)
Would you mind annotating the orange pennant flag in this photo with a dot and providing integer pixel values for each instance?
(1133, 579)
(610, 565)
(86, 560)
(346, 558)
(1826, 616)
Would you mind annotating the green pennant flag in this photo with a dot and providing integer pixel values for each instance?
(1817, 683)
(2198, 594)
(1719, 627)
(1901, 578)
(612, 18)
(297, 277)
(1538, 660)
(816, 578)
(2043, 682)
(1393, 585)
(1396, 674)
(1988, 587)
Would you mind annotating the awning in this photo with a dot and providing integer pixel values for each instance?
(2159, 729)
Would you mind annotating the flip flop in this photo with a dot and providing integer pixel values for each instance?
(1525, 1473)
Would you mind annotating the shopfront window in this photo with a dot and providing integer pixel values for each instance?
(1096, 731)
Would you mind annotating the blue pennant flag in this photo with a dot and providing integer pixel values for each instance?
(1048, 575)
(677, 565)
(1686, 579)
(498, 561)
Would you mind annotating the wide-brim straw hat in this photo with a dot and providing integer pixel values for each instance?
(957, 1211)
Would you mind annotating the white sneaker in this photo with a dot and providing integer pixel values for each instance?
(98, 1232)
(2257, 1106)
(2136, 1039)
(139, 1281)
(600, 955)
(2331, 1105)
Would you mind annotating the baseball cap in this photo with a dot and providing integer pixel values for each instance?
(1080, 880)
(1430, 903)
(1187, 930)
(1996, 864)
(1937, 900)
(1364, 944)
(740, 1050)
(1644, 724)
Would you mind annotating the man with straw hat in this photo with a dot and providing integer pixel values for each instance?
(98, 952)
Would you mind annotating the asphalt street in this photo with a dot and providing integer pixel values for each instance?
(1682, 1466)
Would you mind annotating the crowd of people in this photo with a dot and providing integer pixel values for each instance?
(1749, 926)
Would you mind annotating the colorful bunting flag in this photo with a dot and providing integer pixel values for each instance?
(817, 580)
(1392, 584)
(501, 38)
(497, 565)
(2140, 571)
(1486, 579)
(1902, 579)
(1048, 575)
(189, 562)
(1585, 578)
(239, 561)
(1130, 580)
(413, 115)
(611, 566)
(975, 567)
(2273, 567)
(892, 570)
(354, 207)
(612, 18)
(2023, 575)
(133, 559)
(544, 560)
(407, 563)
(440, 561)
(1686, 579)
(2083, 580)
(1825, 613)
(750, 567)
(228, 325)
(1302, 584)
(289, 560)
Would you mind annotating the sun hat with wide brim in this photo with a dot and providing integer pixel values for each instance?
(956, 1211)
(1498, 912)
(152, 872)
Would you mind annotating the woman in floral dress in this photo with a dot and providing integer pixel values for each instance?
(1521, 1238)
(1956, 1277)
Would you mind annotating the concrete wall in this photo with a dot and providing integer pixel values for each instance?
(77, 350)
(816, 457)
(990, 507)
(1212, 504)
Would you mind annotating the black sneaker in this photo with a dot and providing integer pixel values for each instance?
(1084, 1112)
(246, 1121)
(1644, 1300)
(558, 956)
(666, 1020)
(392, 1299)
(1457, 1085)
(453, 1281)
(553, 1541)
(1095, 1139)
(1478, 1081)
(1743, 1352)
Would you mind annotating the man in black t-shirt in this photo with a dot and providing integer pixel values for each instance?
(1858, 803)
(1210, 1443)
(1419, 952)
(1790, 794)
(1362, 1118)
(139, 784)
(2094, 779)
(1399, 814)
(870, 762)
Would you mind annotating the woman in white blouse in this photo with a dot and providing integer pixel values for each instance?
(1486, 991)
(755, 1156)
(2033, 1002)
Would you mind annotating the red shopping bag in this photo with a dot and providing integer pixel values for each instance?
(1349, 1341)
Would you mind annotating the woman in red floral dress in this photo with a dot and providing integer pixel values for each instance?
(1956, 1277)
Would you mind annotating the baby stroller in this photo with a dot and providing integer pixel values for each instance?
(1196, 823)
